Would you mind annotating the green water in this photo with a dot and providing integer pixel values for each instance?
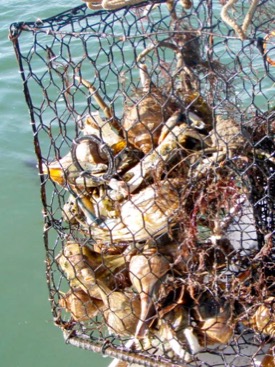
(28, 335)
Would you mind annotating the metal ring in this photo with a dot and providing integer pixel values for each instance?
(103, 147)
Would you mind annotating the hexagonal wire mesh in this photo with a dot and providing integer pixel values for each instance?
(154, 132)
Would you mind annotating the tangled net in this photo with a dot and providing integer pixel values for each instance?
(154, 132)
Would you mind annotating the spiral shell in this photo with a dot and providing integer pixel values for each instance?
(143, 120)
(146, 271)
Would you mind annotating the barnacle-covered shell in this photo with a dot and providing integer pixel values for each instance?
(227, 133)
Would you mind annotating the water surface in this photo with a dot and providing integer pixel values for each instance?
(28, 335)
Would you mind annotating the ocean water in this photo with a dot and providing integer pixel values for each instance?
(29, 337)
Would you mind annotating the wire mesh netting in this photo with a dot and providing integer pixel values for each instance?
(154, 132)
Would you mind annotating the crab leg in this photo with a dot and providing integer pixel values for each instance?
(106, 110)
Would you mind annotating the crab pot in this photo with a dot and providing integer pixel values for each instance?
(153, 127)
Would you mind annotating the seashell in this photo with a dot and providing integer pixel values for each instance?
(121, 310)
(218, 329)
(143, 121)
(215, 320)
(269, 358)
(187, 4)
(83, 267)
(264, 318)
(81, 306)
(146, 272)
(227, 133)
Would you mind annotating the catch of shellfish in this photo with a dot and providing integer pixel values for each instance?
(150, 197)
